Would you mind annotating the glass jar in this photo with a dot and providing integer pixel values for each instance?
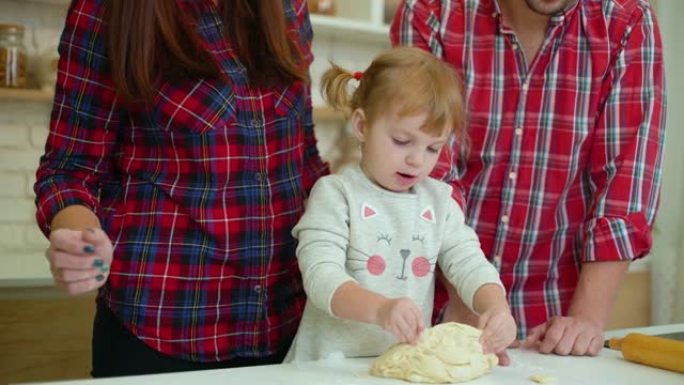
(13, 65)
(322, 7)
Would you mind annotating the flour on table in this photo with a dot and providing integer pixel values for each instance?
(544, 379)
(446, 353)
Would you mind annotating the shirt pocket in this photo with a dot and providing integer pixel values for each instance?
(193, 106)
(290, 101)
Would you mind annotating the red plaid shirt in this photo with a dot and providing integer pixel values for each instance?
(198, 194)
(566, 151)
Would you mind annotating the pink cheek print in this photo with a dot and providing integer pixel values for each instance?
(376, 264)
(420, 266)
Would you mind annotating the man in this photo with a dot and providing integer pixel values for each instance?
(565, 106)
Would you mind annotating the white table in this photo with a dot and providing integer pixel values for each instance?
(605, 369)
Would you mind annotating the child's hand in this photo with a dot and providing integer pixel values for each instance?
(498, 329)
(401, 317)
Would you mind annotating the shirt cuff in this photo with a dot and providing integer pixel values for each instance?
(49, 205)
(616, 238)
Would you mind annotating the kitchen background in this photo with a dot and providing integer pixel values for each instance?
(44, 335)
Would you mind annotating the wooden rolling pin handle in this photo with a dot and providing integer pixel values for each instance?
(615, 343)
(652, 351)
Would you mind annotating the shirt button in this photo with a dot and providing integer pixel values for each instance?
(504, 219)
(258, 289)
(256, 123)
(525, 86)
(497, 260)
(512, 175)
(518, 131)
(515, 46)
(259, 176)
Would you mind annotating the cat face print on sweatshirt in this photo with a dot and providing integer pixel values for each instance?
(389, 253)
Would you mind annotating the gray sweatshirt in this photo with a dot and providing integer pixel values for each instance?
(387, 242)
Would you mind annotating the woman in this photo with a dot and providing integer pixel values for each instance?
(180, 152)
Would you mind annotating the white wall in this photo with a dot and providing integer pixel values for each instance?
(23, 128)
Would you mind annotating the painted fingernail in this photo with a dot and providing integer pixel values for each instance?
(98, 263)
(99, 278)
(88, 249)
(104, 269)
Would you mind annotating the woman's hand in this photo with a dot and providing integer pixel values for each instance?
(401, 317)
(79, 259)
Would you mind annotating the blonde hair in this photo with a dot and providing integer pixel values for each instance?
(409, 78)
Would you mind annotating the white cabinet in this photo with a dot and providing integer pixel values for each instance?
(351, 38)
(364, 21)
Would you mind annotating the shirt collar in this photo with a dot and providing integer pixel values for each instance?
(558, 18)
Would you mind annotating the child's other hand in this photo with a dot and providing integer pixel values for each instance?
(498, 329)
(401, 317)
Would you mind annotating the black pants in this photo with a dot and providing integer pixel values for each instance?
(117, 352)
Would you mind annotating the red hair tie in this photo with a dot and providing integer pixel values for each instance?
(358, 75)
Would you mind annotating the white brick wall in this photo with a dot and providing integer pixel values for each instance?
(23, 128)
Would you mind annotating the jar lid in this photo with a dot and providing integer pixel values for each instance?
(11, 28)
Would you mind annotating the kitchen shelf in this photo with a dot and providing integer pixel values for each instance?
(25, 95)
(327, 114)
(349, 29)
(52, 2)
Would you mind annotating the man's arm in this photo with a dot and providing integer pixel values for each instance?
(625, 171)
(581, 331)
(602, 278)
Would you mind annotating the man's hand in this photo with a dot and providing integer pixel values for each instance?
(567, 335)
(580, 333)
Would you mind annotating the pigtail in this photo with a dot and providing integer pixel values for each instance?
(334, 88)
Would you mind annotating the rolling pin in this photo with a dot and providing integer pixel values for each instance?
(653, 351)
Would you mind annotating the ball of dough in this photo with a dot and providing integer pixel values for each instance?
(446, 353)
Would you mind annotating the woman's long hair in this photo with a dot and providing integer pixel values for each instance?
(153, 39)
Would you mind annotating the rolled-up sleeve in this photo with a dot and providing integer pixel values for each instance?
(627, 153)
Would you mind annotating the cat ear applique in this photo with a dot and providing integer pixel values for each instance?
(428, 215)
(367, 211)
